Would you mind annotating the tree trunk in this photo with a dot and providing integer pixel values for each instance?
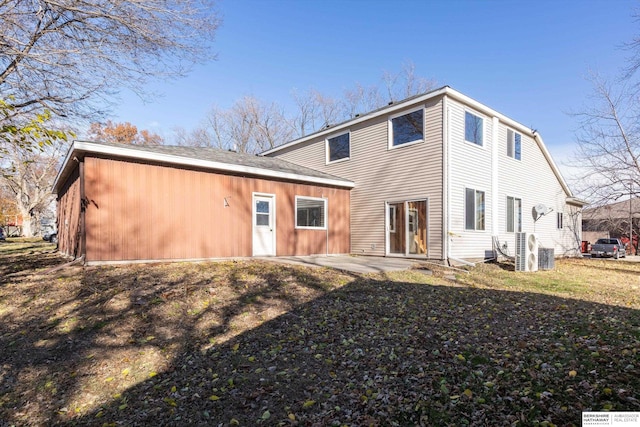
(27, 229)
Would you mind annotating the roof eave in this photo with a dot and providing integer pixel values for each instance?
(83, 147)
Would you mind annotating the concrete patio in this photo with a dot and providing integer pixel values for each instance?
(354, 264)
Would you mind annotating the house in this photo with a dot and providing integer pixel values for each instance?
(125, 203)
(612, 220)
(442, 176)
(436, 176)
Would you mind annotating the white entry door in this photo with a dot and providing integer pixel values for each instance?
(264, 222)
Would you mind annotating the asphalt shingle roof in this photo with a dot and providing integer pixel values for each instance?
(228, 157)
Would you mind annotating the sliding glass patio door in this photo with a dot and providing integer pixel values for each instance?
(407, 228)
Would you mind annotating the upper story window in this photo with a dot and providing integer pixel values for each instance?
(474, 212)
(514, 144)
(473, 128)
(514, 214)
(406, 128)
(560, 220)
(339, 148)
(311, 212)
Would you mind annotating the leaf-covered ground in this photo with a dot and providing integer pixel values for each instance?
(247, 343)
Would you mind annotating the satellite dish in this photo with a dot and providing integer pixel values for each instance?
(539, 210)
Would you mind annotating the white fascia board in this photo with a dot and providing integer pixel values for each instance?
(88, 147)
(382, 112)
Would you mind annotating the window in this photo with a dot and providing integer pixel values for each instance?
(338, 148)
(474, 209)
(473, 128)
(262, 213)
(407, 128)
(514, 215)
(560, 220)
(392, 219)
(514, 144)
(310, 212)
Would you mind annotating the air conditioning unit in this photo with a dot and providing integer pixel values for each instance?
(526, 252)
(546, 258)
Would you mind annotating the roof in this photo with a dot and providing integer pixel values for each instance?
(618, 210)
(442, 91)
(201, 157)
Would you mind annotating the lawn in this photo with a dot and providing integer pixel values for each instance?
(248, 342)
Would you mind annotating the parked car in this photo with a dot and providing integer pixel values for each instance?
(2, 236)
(608, 248)
(51, 237)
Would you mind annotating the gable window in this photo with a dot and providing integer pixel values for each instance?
(338, 148)
(473, 128)
(560, 220)
(514, 144)
(406, 128)
(514, 215)
(311, 212)
(473, 209)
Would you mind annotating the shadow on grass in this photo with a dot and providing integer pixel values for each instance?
(372, 352)
(63, 334)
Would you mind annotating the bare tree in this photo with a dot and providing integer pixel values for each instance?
(68, 57)
(608, 143)
(249, 126)
(253, 126)
(361, 100)
(27, 175)
(314, 111)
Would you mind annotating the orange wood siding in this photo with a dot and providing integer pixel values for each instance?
(140, 211)
(68, 222)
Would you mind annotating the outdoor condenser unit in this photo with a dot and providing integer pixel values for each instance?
(526, 252)
(546, 258)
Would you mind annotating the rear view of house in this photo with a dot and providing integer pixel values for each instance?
(436, 176)
(443, 176)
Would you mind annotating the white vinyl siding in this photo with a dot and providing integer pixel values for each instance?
(380, 175)
(469, 167)
(533, 179)
(416, 172)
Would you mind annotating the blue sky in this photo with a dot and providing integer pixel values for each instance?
(526, 59)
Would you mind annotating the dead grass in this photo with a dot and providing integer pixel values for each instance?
(245, 343)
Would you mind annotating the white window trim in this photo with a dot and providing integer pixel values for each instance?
(514, 215)
(326, 145)
(464, 202)
(390, 145)
(464, 128)
(514, 146)
(295, 219)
